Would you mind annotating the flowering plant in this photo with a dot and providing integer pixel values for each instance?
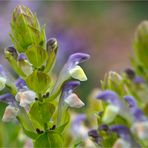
(40, 103)
(36, 100)
(122, 120)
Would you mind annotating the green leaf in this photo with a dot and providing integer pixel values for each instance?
(50, 140)
(26, 29)
(36, 55)
(38, 81)
(41, 112)
(30, 134)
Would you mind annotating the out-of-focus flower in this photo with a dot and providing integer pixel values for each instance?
(114, 76)
(25, 97)
(111, 111)
(24, 64)
(112, 98)
(137, 113)
(121, 143)
(141, 129)
(130, 73)
(139, 80)
(140, 123)
(78, 129)
(10, 113)
(95, 136)
(124, 133)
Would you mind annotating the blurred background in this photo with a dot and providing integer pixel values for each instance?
(104, 29)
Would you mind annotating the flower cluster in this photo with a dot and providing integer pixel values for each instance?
(36, 100)
(122, 121)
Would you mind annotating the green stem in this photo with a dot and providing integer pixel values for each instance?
(59, 116)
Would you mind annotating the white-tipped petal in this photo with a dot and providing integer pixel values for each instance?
(74, 101)
(2, 82)
(10, 113)
(25, 97)
(78, 73)
(110, 113)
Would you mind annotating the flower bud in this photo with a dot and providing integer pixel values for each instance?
(121, 143)
(74, 101)
(78, 73)
(52, 48)
(24, 64)
(130, 73)
(11, 51)
(26, 29)
(25, 97)
(10, 113)
(52, 45)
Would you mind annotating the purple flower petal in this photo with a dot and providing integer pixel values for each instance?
(122, 131)
(8, 99)
(77, 58)
(68, 88)
(22, 57)
(131, 101)
(94, 134)
(137, 113)
(138, 80)
(110, 97)
(104, 127)
(20, 83)
(71, 85)
(80, 118)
